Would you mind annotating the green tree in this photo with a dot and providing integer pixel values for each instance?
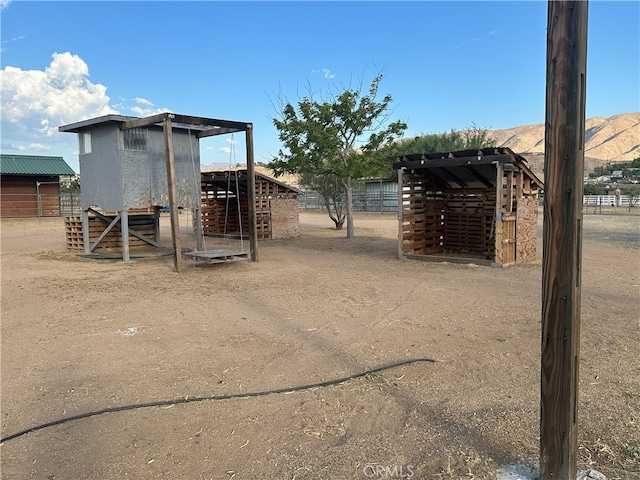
(336, 140)
(72, 186)
(471, 138)
(331, 189)
(634, 195)
(590, 189)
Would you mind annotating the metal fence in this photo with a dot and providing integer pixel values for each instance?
(379, 196)
(40, 204)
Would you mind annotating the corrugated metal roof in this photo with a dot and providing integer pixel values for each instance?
(33, 165)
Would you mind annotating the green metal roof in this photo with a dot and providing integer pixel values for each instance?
(33, 165)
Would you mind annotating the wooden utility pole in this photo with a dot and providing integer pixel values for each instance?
(173, 193)
(562, 236)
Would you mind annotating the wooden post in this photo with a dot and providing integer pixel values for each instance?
(173, 193)
(562, 236)
(85, 232)
(400, 212)
(497, 220)
(251, 196)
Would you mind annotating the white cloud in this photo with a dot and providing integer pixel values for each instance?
(39, 147)
(224, 150)
(231, 141)
(12, 146)
(144, 108)
(143, 101)
(11, 40)
(35, 103)
(4, 4)
(325, 72)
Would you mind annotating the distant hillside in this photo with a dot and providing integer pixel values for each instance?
(607, 140)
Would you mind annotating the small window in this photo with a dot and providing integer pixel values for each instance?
(84, 143)
(135, 139)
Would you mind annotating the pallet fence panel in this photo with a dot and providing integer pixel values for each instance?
(143, 224)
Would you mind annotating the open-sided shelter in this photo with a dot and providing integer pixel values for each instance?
(130, 163)
(471, 206)
(225, 205)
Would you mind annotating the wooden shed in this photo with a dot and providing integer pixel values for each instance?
(224, 194)
(30, 185)
(471, 206)
(130, 163)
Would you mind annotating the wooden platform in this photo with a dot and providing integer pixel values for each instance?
(217, 256)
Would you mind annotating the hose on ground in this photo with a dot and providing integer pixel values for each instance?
(187, 399)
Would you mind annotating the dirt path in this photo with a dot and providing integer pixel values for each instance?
(81, 335)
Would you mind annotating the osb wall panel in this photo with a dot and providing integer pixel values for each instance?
(526, 229)
(285, 219)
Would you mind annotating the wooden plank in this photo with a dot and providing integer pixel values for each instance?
(562, 237)
(498, 216)
(449, 259)
(145, 122)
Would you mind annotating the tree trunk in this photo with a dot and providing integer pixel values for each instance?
(349, 206)
(335, 218)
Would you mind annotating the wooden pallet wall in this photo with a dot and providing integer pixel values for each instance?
(467, 220)
(143, 224)
(220, 214)
(422, 218)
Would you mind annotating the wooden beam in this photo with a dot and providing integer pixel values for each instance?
(135, 233)
(144, 122)
(212, 122)
(173, 194)
(426, 162)
(111, 224)
(217, 131)
(498, 216)
(562, 236)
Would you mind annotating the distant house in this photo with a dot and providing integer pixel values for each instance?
(30, 185)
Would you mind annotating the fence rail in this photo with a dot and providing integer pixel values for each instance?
(382, 201)
(40, 205)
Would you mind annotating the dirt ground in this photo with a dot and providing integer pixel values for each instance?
(81, 335)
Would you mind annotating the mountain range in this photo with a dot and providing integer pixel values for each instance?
(607, 140)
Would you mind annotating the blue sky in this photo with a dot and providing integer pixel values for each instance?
(447, 64)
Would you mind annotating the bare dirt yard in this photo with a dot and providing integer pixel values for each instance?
(82, 335)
